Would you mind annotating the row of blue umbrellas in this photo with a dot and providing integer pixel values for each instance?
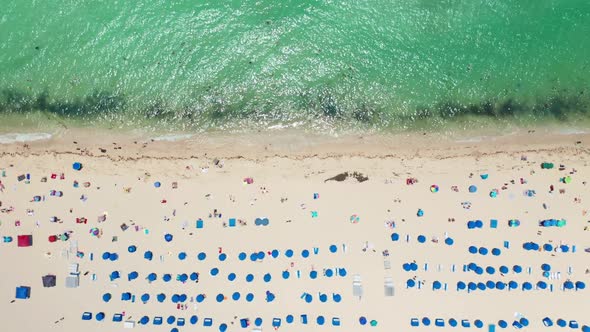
(166, 277)
(491, 270)
(472, 286)
(112, 256)
(474, 224)
(421, 238)
(484, 251)
(533, 246)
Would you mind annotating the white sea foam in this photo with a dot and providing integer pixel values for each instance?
(22, 137)
(172, 138)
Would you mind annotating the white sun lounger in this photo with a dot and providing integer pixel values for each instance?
(357, 286)
(388, 285)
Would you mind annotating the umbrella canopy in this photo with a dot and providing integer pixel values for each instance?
(342, 272)
(524, 321)
(410, 283)
(421, 238)
(329, 273)
(490, 284)
(201, 256)
(337, 298)
(503, 324)
(231, 276)
(168, 237)
(200, 298)
(526, 286)
(472, 189)
(152, 277)
(461, 285)
(144, 320)
(323, 297)
(242, 256)
(305, 253)
(249, 297)
(548, 247)
(503, 269)
(107, 297)
(100, 316)
(194, 276)
(472, 249)
(267, 277)
(500, 285)
(568, 285)
(436, 285)
(362, 320)
(145, 298)
(286, 274)
(289, 253)
(512, 284)
(222, 257)
(478, 323)
(308, 298)
(580, 285)
(472, 286)
(517, 268)
(561, 323)
(166, 277)
(449, 241)
(132, 275)
(249, 277)
(541, 285)
(483, 251)
(182, 256)
(236, 296)
(161, 297)
(496, 252)
(313, 274)
(490, 270)
(546, 267)
(214, 271)
(220, 297)
(394, 237)
(148, 255)
(333, 248)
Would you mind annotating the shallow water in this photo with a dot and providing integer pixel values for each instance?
(321, 65)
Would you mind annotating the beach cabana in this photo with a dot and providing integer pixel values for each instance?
(180, 321)
(465, 323)
(414, 322)
(439, 322)
(574, 324)
(335, 321)
(117, 317)
(87, 316)
(276, 323)
(24, 240)
(201, 256)
(23, 292)
(158, 320)
(48, 280)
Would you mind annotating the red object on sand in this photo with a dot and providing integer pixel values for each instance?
(25, 240)
(52, 238)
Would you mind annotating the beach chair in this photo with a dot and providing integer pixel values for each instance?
(276, 323)
(180, 322)
(117, 318)
(357, 286)
(439, 322)
(335, 321)
(465, 323)
(387, 264)
(388, 285)
(303, 318)
(129, 324)
(208, 322)
(415, 322)
(158, 320)
(87, 316)
(73, 269)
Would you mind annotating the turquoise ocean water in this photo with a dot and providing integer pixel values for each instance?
(207, 65)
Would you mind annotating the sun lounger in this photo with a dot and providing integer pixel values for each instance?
(387, 264)
(73, 269)
(129, 324)
(389, 290)
(158, 320)
(335, 321)
(357, 286)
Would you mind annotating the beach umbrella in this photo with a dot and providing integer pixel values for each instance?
(106, 297)
(472, 266)
(144, 320)
(410, 283)
(394, 237)
(494, 193)
(342, 272)
(490, 284)
(500, 285)
(214, 271)
(483, 251)
(167, 277)
(289, 319)
(333, 248)
(222, 257)
(479, 270)
(452, 322)
(313, 274)
(182, 256)
(201, 256)
(503, 269)
(323, 297)
(434, 188)
(479, 224)
(420, 213)
(478, 323)
(161, 297)
(152, 277)
(242, 256)
(168, 237)
(481, 286)
(564, 248)
(425, 321)
(449, 241)
(471, 286)
(561, 323)
(541, 285)
(336, 297)
(421, 238)
(253, 256)
(414, 266)
(157, 184)
(546, 267)
(490, 270)
(512, 285)
(472, 249)
(267, 277)
(568, 285)
(126, 296)
(100, 316)
(580, 285)
(308, 298)
(200, 298)
(585, 328)
(363, 320)
(145, 298)
(231, 276)
(534, 246)
(461, 285)
(113, 257)
(517, 269)
(249, 277)
(170, 320)
(526, 286)
(175, 298)
(470, 224)
(472, 189)
(320, 320)
(503, 324)
(106, 255)
(182, 277)
(274, 253)
(182, 298)
(329, 273)
(236, 296)
(373, 322)
(174, 329)
(194, 276)
(548, 247)
(148, 255)
(496, 252)
(305, 253)
(223, 327)
(524, 321)
(258, 321)
(289, 253)
(286, 274)
(77, 166)
(436, 285)
(219, 297)
(132, 249)
(132, 275)
(115, 275)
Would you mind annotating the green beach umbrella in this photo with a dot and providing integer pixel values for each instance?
(373, 323)
(561, 223)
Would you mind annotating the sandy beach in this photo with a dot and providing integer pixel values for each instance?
(360, 206)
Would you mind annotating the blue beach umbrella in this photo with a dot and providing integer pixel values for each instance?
(333, 248)
(561, 323)
(546, 267)
(527, 286)
(289, 253)
(421, 238)
(479, 270)
(461, 285)
(481, 286)
(524, 322)
(132, 249)
(242, 256)
(152, 277)
(472, 266)
(503, 324)
(504, 269)
(500, 285)
(253, 256)
(483, 251)
(148, 255)
(182, 256)
(157, 184)
(222, 257)
(394, 237)
(342, 272)
(472, 286)
(182, 277)
(490, 284)
(472, 189)
(426, 321)
(289, 319)
(512, 285)
(585, 328)
(249, 277)
(313, 274)
(410, 283)
(541, 285)
(436, 285)
(100, 316)
(249, 297)
(194, 276)
(214, 271)
(329, 273)
(568, 285)
(258, 321)
(161, 297)
(323, 297)
(106, 297)
(144, 320)
(470, 224)
(452, 322)
(305, 253)
(490, 270)
(580, 285)
(478, 224)
(320, 320)
(219, 297)
(106, 255)
(286, 274)
(223, 327)
(231, 276)
(132, 275)
(267, 277)
(115, 275)
(201, 256)
(170, 320)
(274, 253)
(478, 323)
(449, 241)
(200, 298)
(472, 249)
(362, 320)
(308, 298)
(336, 298)
(145, 298)
(414, 266)
(167, 277)
(236, 296)
(175, 298)
(406, 267)
(517, 269)
(548, 247)
(183, 298)
(564, 248)
(496, 252)
(168, 237)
